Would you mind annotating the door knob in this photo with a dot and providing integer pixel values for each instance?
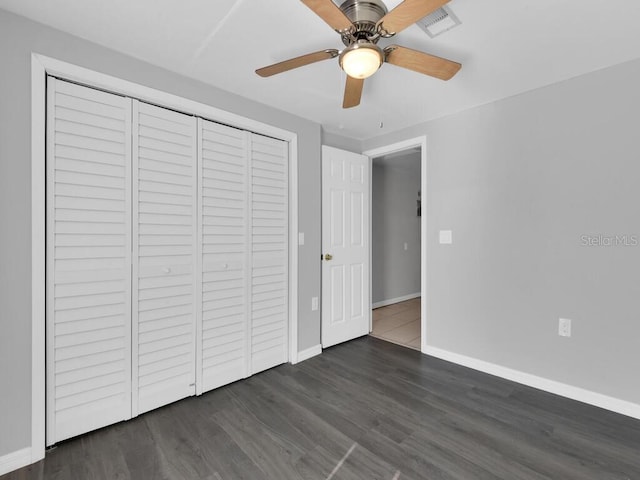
(328, 256)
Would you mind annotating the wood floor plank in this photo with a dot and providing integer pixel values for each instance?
(363, 410)
(275, 455)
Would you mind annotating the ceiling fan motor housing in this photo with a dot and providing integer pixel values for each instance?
(364, 14)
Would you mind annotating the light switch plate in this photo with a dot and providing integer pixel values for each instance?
(314, 303)
(446, 237)
(300, 238)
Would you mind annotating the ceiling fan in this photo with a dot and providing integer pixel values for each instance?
(361, 24)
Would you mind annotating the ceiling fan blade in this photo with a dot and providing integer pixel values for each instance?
(408, 13)
(421, 62)
(352, 92)
(297, 62)
(330, 13)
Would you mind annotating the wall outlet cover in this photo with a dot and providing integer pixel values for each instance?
(564, 327)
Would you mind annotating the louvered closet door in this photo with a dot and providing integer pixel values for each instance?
(88, 259)
(164, 241)
(269, 252)
(224, 253)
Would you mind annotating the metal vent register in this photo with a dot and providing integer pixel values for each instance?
(440, 21)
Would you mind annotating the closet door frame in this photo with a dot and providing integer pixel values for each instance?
(41, 66)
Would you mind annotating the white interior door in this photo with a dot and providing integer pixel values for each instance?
(345, 246)
(88, 259)
(164, 256)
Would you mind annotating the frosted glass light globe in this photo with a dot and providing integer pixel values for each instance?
(361, 60)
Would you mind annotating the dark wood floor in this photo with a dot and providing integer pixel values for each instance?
(366, 409)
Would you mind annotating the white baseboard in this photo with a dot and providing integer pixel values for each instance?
(575, 393)
(15, 460)
(309, 352)
(391, 301)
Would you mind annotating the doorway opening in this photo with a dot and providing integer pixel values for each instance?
(398, 243)
(395, 243)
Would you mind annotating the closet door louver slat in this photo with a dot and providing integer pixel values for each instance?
(88, 259)
(164, 249)
(223, 233)
(269, 252)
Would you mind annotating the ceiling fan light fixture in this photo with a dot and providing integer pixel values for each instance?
(361, 60)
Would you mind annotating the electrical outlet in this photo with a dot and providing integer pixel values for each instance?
(314, 303)
(564, 327)
(406, 246)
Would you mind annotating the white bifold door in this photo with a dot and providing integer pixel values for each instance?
(244, 253)
(164, 256)
(269, 253)
(224, 231)
(88, 259)
(167, 255)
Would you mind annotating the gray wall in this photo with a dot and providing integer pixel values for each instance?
(519, 182)
(338, 141)
(394, 222)
(18, 39)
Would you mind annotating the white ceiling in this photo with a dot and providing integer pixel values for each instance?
(506, 47)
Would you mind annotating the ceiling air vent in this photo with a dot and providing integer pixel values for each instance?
(438, 22)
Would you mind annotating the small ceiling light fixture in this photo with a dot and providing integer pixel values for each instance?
(361, 59)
